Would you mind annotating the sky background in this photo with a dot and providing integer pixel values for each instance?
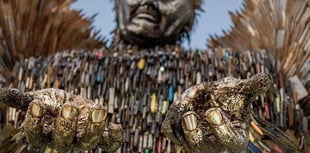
(212, 21)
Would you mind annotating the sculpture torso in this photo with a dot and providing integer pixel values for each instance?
(141, 75)
(137, 88)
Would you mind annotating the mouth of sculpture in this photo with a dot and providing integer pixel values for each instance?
(146, 13)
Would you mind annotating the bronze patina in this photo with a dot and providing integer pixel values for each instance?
(209, 117)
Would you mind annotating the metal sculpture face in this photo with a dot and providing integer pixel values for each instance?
(154, 21)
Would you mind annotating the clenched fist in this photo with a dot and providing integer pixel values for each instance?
(63, 121)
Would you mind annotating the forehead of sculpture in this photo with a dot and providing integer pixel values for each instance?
(196, 3)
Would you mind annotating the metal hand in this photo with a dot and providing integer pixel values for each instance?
(214, 116)
(63, 122)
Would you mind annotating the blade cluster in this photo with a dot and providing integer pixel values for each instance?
(42, 27)
(280, 27)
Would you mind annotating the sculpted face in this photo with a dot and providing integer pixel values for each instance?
(154, 21)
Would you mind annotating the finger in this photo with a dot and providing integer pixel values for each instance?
(168, 126)
(15, 98)
(190, 125)
(224, 130)
(65, 128)
(257, 84)
(94, 129)
(33, 124)
(189, 97)
(115, 131)
(112, 138)
(174, 116)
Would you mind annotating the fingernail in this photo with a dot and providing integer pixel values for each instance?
(213, 116)
(190, 121)
(193, 93)
(98, 115)
(36, 110)
(69, 112)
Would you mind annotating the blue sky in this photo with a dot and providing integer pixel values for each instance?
(212, 21)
